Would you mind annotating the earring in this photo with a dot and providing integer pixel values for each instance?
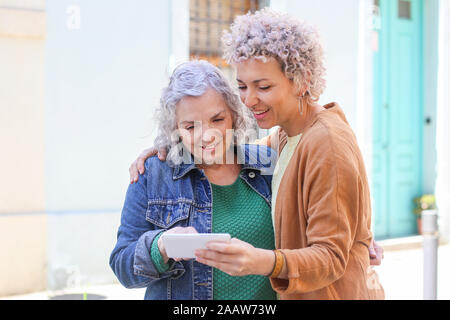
(300, 108)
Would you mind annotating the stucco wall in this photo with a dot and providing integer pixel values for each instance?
(70, 127)
(23, 224)
(431, 43)
(107, 62)
(443, 120)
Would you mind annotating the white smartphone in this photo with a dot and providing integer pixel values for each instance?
(183, 245)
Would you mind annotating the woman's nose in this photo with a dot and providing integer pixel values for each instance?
(250, 99)
(209, 135)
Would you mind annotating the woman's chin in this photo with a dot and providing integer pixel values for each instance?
(264, 124)
(208, 158)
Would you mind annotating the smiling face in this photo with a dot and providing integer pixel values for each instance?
(267, 92)
(205, 124)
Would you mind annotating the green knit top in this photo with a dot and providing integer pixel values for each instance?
(245, 215)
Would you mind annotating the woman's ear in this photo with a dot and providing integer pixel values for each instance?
(300, 91)
(177, 134)
(304, 85)
(307, 82)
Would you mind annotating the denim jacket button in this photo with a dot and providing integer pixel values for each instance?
(251, 174)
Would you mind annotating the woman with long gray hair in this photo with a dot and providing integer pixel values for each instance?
(210, 183)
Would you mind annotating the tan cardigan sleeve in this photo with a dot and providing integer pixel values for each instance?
(329, 202)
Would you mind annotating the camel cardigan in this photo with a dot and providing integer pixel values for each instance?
(323, 214)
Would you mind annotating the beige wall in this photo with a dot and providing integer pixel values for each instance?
(23, 254)
(23, 224)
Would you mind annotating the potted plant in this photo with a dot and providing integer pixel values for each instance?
(422, 203)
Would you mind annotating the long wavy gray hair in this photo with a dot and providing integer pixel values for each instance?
(193, 78)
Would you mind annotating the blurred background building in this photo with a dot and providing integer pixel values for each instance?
(79, 81)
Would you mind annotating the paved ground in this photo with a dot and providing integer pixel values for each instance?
(401, 274)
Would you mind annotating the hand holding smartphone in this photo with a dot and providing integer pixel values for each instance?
(183, 245)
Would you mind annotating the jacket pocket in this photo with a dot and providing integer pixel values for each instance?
(166, 213)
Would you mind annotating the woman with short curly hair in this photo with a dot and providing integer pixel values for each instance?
(321, 209)
(294, 44)
(320, 194)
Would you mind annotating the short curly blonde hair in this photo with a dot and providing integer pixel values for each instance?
(296, 45)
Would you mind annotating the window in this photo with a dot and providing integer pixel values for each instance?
(208, 19)
(404, 9)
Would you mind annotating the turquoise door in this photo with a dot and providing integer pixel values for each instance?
(397, 117)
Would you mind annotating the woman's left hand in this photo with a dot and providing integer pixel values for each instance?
(376, 253)
(237, 258)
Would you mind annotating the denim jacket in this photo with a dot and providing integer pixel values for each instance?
(165, 197)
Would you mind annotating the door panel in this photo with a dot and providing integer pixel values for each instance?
(397, 170)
